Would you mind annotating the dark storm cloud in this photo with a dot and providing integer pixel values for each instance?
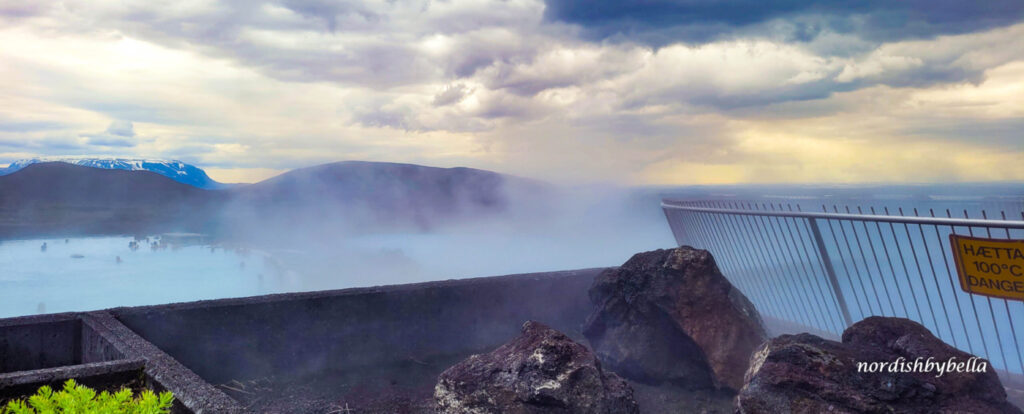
(662, 22)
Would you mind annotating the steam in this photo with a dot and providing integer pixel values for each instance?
(527, 227)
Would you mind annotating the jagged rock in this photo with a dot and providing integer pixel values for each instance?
(542, 371)
(807, 374)
(670, 315)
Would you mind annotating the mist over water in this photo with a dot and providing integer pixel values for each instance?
(572, 229)
(314, 249)
(309, 250)
(36, 281)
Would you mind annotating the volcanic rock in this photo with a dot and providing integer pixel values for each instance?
(541, 371)
(670, 315)
(807, 374)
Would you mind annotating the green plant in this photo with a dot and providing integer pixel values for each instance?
(79, 399)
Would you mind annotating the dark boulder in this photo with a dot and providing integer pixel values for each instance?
(541, 371)
(670, 316)
(807, 374)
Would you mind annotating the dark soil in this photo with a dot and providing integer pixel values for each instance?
(408, 388)
(402, 388)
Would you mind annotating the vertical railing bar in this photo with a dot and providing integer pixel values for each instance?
(878, 263)
(758, 241)
(806, 264)
(748, 286)
(920, 275)
(906, 271)
(785, 254)
(741, 279)
(840, 321)
(733, 223)
(671, 225)
(758, 252)
(790, 282)
(716, 239)
(856, 269)
(768, 245)
(677, 231)
(1009, 316)
(763, 258)
(772, 251)
(935, 279)
(707, 233)
(830, 271)
(846, 267)
(974, 306)
(788, 249)
(697, 239)
(867, 271)
(888, 258)
(956, 298)
(698, 225)
(991, 309)
(743, 259)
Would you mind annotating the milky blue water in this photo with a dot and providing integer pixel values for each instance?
(34, 281)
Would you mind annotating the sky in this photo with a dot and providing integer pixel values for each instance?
(653, 92)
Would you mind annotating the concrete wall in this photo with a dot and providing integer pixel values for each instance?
(36, 343)
(306, 333)
(49, 341)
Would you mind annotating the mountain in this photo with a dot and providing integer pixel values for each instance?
(173, 169)
(49, 197)
(55, 197)
(384, 194)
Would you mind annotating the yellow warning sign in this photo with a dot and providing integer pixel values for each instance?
(990, 267)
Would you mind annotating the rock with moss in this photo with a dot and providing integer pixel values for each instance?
(540, 372)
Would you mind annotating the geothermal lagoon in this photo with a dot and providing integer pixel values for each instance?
(33, 281)
(84, 274)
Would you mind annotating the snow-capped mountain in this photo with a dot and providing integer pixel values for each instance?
(173, 169)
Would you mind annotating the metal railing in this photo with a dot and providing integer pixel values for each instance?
(829, 268)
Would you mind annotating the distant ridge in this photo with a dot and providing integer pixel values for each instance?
(51, 197)
(384, 193)
(63, 198)
(176, 170)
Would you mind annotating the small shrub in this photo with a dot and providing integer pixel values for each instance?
(79, 399)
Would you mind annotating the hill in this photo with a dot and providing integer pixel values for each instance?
(176, 170)
(378, 194)
(56, 197)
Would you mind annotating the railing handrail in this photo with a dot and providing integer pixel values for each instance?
(941, 221)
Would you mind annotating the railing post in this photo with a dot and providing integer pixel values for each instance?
(827, 262)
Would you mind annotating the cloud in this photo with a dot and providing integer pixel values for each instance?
(663, 22)
(118, 134)
(121, 129)
(28, 126)
(674, 91)
(451, 94)
(378, 44)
